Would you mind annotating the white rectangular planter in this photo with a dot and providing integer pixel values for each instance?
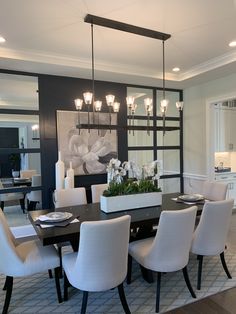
(132, 201)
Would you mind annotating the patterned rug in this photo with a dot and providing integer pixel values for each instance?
(37, 293)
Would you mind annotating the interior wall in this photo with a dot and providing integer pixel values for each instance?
(58, 93)
(195, 99)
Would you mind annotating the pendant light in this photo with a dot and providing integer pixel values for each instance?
(89, 97)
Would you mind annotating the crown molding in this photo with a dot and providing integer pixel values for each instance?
(85, 64)
(208, 66)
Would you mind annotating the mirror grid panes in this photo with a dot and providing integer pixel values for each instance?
(140, 157)
(173, 97)
(140, 137)
(170, 160)
(171, 138)
(18, 132)
(170, 185)
(18, 92)
(139, 95)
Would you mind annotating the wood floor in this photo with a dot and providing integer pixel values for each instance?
(220, 303)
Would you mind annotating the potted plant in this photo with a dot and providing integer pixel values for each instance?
(15, 164)
(124, 194)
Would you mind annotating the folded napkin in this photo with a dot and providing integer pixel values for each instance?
(44, 225)
(43, 222)
(177, 200)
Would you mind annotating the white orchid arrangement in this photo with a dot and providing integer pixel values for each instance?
(142, 180)
(117, 170)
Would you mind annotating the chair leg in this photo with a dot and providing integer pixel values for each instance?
(222, 258)
(123, 299)
(84, 302)
(129, 272)
(66, 285)
(158, 292)
(147, 274)
(5, 285)
(57, 282)
(2, 205)
(50, 274)
(9, 285)
(32, 205)
(188, 283)
(22, 204)
(199, 274)
(60, 257)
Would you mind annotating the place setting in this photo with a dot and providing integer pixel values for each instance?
(190, 199)
(56, 219)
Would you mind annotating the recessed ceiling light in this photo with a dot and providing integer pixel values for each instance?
(232, 43)
(176, 69)
(2, 39)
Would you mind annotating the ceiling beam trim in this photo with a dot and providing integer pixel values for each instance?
(128, 28)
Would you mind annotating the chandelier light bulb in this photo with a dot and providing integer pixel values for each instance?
(88, 96)
(110, 100)
(116, 107)
(98, 105)
(148, 105)
(179, 105)
(133, 108)
(78, 103)
(35, 127)
(129, 101)
(164, 104)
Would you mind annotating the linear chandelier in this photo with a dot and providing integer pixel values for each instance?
(89, 96)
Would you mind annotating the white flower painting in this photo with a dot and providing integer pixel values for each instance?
(89, 150)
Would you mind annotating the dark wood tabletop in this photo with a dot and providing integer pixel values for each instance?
(141, 217)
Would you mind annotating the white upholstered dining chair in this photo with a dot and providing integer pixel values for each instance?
(211, 233)
(168, 251)
(16, 196)
(70, 197)
(97, 190)
(214, 191)
(24, 259)
(27, 174)
(101, 262)
(34, 197)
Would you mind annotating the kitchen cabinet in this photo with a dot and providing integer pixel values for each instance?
(230, 179)
(225, 126)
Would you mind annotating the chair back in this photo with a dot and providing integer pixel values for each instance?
(171, 245)
(9, 257)
(35, 196)
(1, 185)
(97, 190)
(70, 197)
(211, 233)
(27, 173)
(103, 253)
(215, 191)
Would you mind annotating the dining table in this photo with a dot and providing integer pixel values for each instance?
(142, 219)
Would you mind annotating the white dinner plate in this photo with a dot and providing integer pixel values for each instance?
(191, 197)
(21, 179)
(57, 216)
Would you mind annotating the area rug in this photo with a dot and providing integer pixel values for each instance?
(37, 293)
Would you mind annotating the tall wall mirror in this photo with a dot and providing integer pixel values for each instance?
(20, 164)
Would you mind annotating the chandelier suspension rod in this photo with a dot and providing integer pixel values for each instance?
(163, 85)
(93, 89)
(163, 70)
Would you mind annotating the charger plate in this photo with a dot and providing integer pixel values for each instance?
(191, 197)
(55, 217)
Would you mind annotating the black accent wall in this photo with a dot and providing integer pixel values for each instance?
(58, 93)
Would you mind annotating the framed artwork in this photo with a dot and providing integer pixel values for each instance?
(88, 150)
